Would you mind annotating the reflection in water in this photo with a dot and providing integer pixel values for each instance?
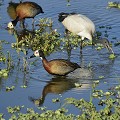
(59, 85)
(103, 69)
(22, 34)
(79, 73)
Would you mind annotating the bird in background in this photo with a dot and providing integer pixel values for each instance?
(25, 10)
(78, 24)
(82, 26)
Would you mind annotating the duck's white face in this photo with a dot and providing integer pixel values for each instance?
(10, 25)
(36, 53)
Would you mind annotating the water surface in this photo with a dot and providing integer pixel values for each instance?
(38, 81)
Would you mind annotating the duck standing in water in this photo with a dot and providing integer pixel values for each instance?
(56, 66)
(25, 10)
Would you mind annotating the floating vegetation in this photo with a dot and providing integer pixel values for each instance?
(99, 47)
(96, 82)
(78, 85)
(112, 56)
(14, 109)
(1, 116)
(113, 5)
(49, 40)
(55, 100)
(4, 73)
(109, 110)
(2, 56)
(6, 60)
(8, 89)
(44, 38)
(101, 77)
(23, 86)
(72, 41)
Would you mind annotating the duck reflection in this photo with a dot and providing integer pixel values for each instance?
(21, 34)
(59, 85)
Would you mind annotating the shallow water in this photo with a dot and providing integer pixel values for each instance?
(38, 80)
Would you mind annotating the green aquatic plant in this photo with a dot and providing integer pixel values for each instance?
(14, 109)
(1, 116)
(44, 38)
(49, 40)
(101, 77)
(89, 112)
(23, 86)
(78, 85)
(113, 5)
(109, 110)
(72, 41)
(6, 61)
(4, 73)
(2, 56)
(112, 56)
(8, 89)
(55, 100)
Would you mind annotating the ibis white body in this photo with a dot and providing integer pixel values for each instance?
(78, 24)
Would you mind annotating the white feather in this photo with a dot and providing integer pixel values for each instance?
(10, 25)
(80, 25)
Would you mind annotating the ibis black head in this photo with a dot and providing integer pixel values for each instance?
(63, 15)
(105, 42)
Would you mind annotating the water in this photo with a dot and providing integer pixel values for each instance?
(38, 81)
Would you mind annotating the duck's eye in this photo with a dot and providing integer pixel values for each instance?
(36, 52)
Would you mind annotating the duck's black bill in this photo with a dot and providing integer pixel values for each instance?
(7, 28)
(32, 56)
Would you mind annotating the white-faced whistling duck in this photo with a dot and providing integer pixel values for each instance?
(25, 10)
(59, 67)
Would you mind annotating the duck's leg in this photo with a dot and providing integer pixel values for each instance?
(22, 23)
(33, 23)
